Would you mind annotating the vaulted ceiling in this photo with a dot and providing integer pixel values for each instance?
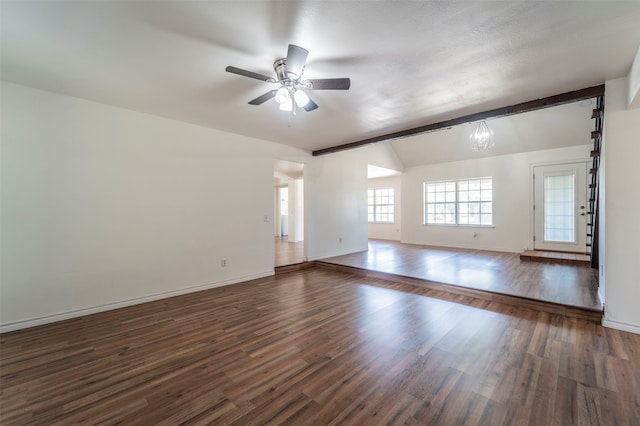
(410, 63)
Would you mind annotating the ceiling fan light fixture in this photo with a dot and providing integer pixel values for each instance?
(289, 75)
(482, 137)
(301, 98)
(287, 105)
(282, 96)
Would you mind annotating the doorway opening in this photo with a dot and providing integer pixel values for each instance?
(289, 213)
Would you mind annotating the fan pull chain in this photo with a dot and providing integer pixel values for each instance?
(292, 113)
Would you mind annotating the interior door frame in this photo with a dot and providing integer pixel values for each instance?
(532, 166)
(305, 211)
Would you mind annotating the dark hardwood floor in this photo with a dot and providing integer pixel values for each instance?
(504, 273)
(288, 253)
(321, 347)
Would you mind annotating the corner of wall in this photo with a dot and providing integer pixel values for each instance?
(383, 155)
(620, 266)
(634, 83)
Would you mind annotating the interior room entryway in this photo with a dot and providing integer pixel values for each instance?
(289, 212)
(560, 207)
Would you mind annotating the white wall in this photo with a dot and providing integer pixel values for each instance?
(103, 207)
(634, 83)
(296, 210)
(511, 205)
(277, 228)
(621, 224)
(602, 217)
(335, 202)
(388, 231)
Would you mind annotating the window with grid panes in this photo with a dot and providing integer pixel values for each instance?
(380, 205)
(459, 202)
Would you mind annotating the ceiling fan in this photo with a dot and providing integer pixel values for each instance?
(289, 75)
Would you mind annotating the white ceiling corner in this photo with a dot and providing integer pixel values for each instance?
(374, 172)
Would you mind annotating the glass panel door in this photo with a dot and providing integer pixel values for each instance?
(560, 215)
(559, 208)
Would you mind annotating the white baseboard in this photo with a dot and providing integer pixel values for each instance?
(334, 254)
(631, 328)
(470, 247)
(19, 325)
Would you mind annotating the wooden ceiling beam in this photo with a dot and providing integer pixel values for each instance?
(561, 99)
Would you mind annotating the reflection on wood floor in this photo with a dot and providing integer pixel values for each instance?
(288, 253)
(319, 347)
(497, 272)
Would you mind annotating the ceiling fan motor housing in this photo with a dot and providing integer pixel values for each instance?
(279, 66)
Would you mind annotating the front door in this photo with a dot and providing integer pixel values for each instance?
(560, 213)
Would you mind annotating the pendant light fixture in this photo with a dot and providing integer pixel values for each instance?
(482, 137)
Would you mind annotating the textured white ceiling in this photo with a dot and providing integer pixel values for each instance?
(410, 63)
(285, 171)
(555, 127)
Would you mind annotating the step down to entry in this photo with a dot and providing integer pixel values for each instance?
(556, 257)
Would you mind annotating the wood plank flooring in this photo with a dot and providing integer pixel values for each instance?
(556, 257)
(498, 272)
(288, 253)
(320, 347)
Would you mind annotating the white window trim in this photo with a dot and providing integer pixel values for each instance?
(374, 205)
(456, 225)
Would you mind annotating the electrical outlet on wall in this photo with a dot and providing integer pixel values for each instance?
(223, 262)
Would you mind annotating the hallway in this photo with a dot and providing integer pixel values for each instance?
(288, 253)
